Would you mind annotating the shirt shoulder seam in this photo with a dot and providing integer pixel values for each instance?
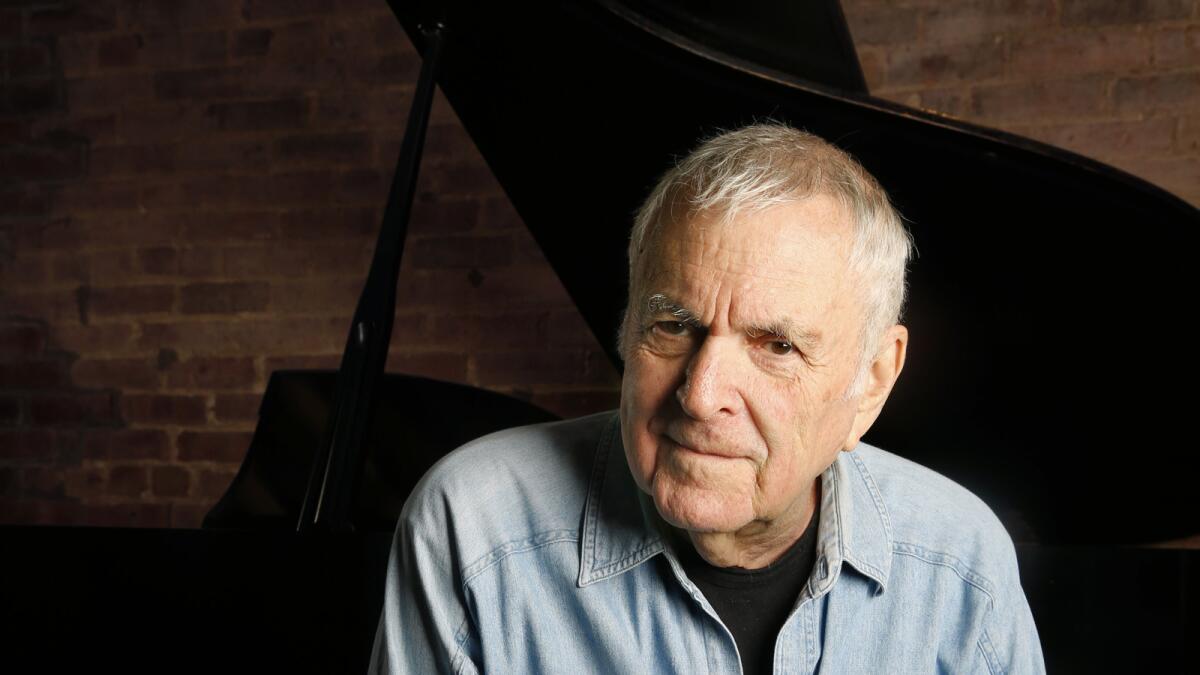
(957, 565)
(516, 546)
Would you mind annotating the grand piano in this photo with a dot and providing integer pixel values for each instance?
(1047, 371)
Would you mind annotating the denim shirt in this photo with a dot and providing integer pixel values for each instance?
(533, 551)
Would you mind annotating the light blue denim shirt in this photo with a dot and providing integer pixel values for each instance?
(533, 551)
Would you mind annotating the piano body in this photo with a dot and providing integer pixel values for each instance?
(1041, 372)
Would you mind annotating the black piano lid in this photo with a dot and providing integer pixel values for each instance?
(1047, 369)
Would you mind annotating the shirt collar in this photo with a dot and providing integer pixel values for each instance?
(622, 529)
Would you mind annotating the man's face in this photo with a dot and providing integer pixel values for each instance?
(741, 342)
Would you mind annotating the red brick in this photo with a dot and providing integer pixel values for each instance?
(23, 201)
(961, 21)
(180, 15)
(200, 262)
(880, 24)
(231, 227)
(128, 481)
(941, 64)
(462, 180)
(237, 407)
(12, 23)
(329, 361)
(202, 83)
(873, 62)
(85, 482)
(285, 113)
(61, 233)
(111, 92)
(298, 335)
(117, 373)
(74, 409)
(533, 367)
(251, 42)
(43, 481)
(126, 515)
(10, 413)
(101, 339)
(459, 251)
(28, 60)
(71, 268)
(1174, 91)
(130, 300)
(212, 373)
(27, 444)
(496, 215)
(1097, 12)
(330, 223)
(1049, 54)
(32, 511)
(452, 217)
(119, 51)
(113, 266)
(218, 156)
(43, 161)
(158, 260)
(1103, 140)
(125, 160)
(1177, 47)
(32, 97)
(324, 149)
(74, 17)
(1073, 100)
(126, 444)
(470, 332)
(164, 409)
(29, 272)
(224, 298)
(51, 306)
(98, 128)
(516, 286)
(213, 483)
(324, 295)
(257, 10)
(170, 481)
(333, 259)
(178, 50)
(1179, 175)
(1189, 134)
(171, 121)
(447, 366)
(22, 339)
(188, 516)
(97, 196)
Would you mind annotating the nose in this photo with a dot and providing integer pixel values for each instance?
(709, 384)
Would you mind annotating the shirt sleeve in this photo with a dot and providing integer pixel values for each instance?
(425, 626)
(1009, 642)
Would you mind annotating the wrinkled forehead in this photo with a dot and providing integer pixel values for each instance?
(791, 241)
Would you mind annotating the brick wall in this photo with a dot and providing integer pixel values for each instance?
(189, 192)
(1116, 80)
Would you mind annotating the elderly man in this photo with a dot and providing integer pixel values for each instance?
(727, 518)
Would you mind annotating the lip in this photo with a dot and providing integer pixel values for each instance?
(691, 445)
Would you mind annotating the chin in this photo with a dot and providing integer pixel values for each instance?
(700, 510)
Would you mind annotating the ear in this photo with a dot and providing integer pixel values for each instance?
(881, 377)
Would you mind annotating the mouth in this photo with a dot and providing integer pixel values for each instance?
(701, 447)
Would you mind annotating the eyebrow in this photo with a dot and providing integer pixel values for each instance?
(806, 339)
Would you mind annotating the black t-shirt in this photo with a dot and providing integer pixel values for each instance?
(753, 604)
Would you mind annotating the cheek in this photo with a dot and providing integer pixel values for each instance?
(645, 390)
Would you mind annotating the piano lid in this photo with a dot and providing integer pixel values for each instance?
(1046, 370)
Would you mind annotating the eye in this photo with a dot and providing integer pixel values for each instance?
(675, 328)
(780, 347)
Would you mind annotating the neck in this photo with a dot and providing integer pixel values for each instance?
(760, 542)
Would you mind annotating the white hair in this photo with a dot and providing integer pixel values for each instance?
(764, 165)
